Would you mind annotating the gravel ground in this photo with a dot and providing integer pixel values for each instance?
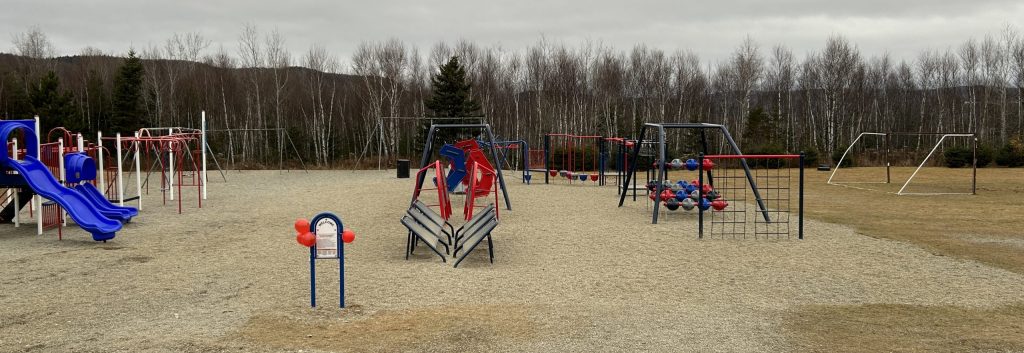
(572, 273)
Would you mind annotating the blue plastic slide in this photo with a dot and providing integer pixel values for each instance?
(77, 205)
(100, 202)
(80, 169)
(458, 162)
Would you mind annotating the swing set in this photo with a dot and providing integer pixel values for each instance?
(574, 157)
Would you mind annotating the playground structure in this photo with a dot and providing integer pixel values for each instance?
(582, 158)
(468, 167)
(884, 154)
(504, 148)
(72, 189)
(725, 192)
(474, 153)
(179, 155)
(618, 150)
(573, 159)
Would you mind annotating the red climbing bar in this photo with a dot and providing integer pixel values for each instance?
(752, 156)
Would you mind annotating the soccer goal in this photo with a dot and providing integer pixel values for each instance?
(902, 153)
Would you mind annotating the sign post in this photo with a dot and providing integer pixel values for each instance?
(326, 237)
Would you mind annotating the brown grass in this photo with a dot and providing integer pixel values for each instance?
(445, 328)
(985, 227)
(906, 328)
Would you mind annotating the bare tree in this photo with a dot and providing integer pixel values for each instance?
(279, 60)
(780, 80)
(34, 43)
(1018, 74)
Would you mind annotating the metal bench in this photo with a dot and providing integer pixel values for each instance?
(430, 234)
(470, 235)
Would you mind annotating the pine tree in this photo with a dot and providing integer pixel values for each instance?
(451, 99)
(56, 108)
(97, 109)
(451, 92)
(761, 135)
(126, 99)
(14, 100)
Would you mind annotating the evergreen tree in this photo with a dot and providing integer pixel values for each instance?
(97, 102)
(451, 99)
(14, 101)
(761, 135)
(56, 108)
(127, 114)
(451, 92)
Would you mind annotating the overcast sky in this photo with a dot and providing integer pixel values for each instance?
(711, 28)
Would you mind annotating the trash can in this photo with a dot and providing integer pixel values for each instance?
(403, 168)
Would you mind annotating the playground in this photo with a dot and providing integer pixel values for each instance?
(572, 272)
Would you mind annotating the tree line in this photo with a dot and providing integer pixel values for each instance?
(263, 101)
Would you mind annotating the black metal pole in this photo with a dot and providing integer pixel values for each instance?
(704, 148)
(888, 175)
(800, 217)
(661, 174)
(547, 159)
(746, 170)
(974, 167)
(497, 168)
(601, 153)
(700, 198)
(632, 167)
(427, 151)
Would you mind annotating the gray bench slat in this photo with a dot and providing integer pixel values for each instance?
(422, 207)
(423, 234)
(474, 241)
(487, 213)
(426, 223)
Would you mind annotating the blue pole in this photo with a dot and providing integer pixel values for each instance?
(312, 276)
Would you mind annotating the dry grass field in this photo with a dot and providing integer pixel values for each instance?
(877, 272)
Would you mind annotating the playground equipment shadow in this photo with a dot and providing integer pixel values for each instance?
(572, 273)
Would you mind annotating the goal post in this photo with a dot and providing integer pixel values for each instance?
(974, 168)
(885, 139)
(884, 156)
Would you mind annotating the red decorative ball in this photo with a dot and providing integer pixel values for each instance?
(306, 238)
(667, 194)
(719, 204)
(348, 236)
(708, 164)
(301, 225)
(707, 188)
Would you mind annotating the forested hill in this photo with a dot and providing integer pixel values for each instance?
(769, 97)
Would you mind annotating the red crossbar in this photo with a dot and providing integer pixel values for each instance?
(753, 156)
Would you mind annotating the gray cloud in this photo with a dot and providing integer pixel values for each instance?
(710, 28)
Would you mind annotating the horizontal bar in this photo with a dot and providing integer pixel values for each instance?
(753, 156)
(576, 136)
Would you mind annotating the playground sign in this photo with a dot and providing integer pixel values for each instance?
(325, 236)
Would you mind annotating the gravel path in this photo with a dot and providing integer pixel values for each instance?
(572, 273)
